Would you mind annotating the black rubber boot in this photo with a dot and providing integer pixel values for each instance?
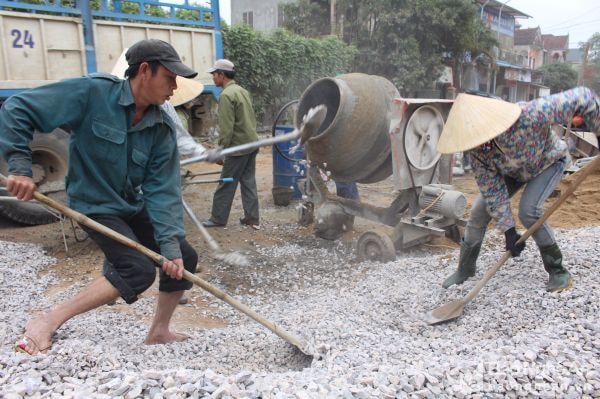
(559, 278)
(466, 264)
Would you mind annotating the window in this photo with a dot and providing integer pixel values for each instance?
(248, 17)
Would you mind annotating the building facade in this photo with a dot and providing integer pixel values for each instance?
(557, 48)
(261, 15)
(510, 75)
(529, 43)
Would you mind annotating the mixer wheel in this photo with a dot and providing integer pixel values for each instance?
(306, 213)
(374, 246)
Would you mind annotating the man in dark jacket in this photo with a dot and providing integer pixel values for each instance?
(123, 173)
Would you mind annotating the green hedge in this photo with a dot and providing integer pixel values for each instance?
(277, 67)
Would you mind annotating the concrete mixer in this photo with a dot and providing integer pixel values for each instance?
(370, 133)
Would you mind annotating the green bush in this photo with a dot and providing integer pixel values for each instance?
(559, 76)
(277, 67)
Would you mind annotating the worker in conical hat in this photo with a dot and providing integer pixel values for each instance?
(512, 147)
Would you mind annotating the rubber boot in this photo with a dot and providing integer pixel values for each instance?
(559, 278)
(466, 264)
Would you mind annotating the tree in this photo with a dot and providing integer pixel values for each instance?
(464, 36)
(306, 18)
(406, 41)
(558, 76)
(592, 75)
(589, 74)
(277, 67)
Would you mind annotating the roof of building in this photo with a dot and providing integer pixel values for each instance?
(507, 64)
(552, 42)
(508, 10)
(525, 37)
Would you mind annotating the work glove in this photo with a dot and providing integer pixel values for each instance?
(214, 155)
(197, 152)
(512, 237)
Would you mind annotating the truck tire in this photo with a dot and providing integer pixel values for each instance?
(24, 212)
(50, 158)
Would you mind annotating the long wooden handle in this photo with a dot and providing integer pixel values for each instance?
(581, 176)
(159, 259)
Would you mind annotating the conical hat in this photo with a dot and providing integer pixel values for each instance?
(474, 120)
(187, 89)
(120, 66)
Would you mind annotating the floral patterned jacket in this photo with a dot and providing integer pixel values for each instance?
(529, 147)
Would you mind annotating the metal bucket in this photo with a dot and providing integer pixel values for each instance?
(287, 167)
(353, 142)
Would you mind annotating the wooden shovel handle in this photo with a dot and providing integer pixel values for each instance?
(159, 259)
(580, 176)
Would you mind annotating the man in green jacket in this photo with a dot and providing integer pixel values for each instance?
(123, 173)
(237, 125)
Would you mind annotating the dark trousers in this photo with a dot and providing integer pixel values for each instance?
(347, 190)
(242, 168)
(128, 270)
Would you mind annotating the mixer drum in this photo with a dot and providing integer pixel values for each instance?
(353, 143)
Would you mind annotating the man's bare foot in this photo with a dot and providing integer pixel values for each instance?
(37, 337)
(165, 338)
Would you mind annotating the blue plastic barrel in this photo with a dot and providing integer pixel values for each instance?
(288, 168)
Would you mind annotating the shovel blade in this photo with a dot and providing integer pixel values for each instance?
(450, 311)
(311, 122)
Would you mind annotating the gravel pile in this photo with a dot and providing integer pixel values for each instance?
(365, 319)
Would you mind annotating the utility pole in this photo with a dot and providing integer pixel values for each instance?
(584, 61)
(332, 19)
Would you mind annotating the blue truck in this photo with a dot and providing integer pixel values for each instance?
(42, 41)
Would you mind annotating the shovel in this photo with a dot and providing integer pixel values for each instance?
(454, 309)
(80, 218)
(311, 122)
(232, 258)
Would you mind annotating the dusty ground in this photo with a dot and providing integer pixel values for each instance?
(80, 260)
